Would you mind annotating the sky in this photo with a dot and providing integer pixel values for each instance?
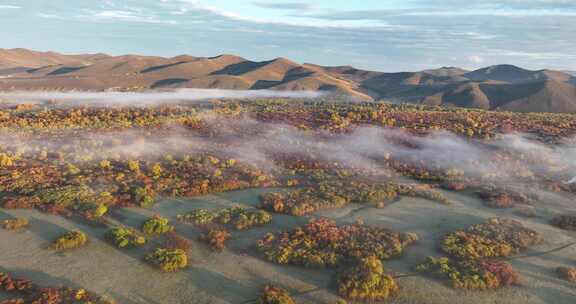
(384, 35)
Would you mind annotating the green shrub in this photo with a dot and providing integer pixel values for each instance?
(251, 219)
(79, 198)
(168, 260)
(327, 195)
(157, 225)
(497, 237)
(144, 196)
(423, 191)
(70, 240)
(366, 281)
(275, 295)
(5, 160)
(322, 243)
(123, 237)
(99, 211)
(482, 274)
(198, 217)
(339, 193)
(93, 211)
(66, 195)
(237, 217)
(15, 224)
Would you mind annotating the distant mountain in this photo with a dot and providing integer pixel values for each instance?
(446, 72)
(535, 96)
(19, 58)
(542, 96)
(514, 74)
(500, 87)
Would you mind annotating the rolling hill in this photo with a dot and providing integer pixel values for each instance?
(500, 87)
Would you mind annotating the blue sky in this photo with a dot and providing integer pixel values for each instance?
(391, 35)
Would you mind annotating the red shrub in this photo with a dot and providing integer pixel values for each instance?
(216, 237)
(176, 241)
(502, 270)
(22, 202)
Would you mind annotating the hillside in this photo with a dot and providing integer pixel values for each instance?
(500, 87)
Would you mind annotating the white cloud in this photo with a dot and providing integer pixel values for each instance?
(50, 16)
(194, 5)
(481, 36)
(284, 5)
(536, 55)
(129, 16)
(9, 7)
(475, 59)
(495, 13)
(189, 6)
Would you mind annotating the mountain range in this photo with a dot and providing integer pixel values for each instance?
(499, 87)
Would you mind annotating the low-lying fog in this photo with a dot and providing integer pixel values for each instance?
(257, 143)
(149, 97)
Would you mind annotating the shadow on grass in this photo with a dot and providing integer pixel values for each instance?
(140, 299)
(5, 216)
(219, 286)
(40, 278)
(553, 295)
(541, 273)
(45, 230)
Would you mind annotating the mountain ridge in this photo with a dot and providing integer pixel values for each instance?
(498, 87)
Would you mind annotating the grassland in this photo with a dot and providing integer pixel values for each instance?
(396, 182)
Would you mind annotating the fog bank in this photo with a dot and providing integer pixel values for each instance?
(149, 97)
